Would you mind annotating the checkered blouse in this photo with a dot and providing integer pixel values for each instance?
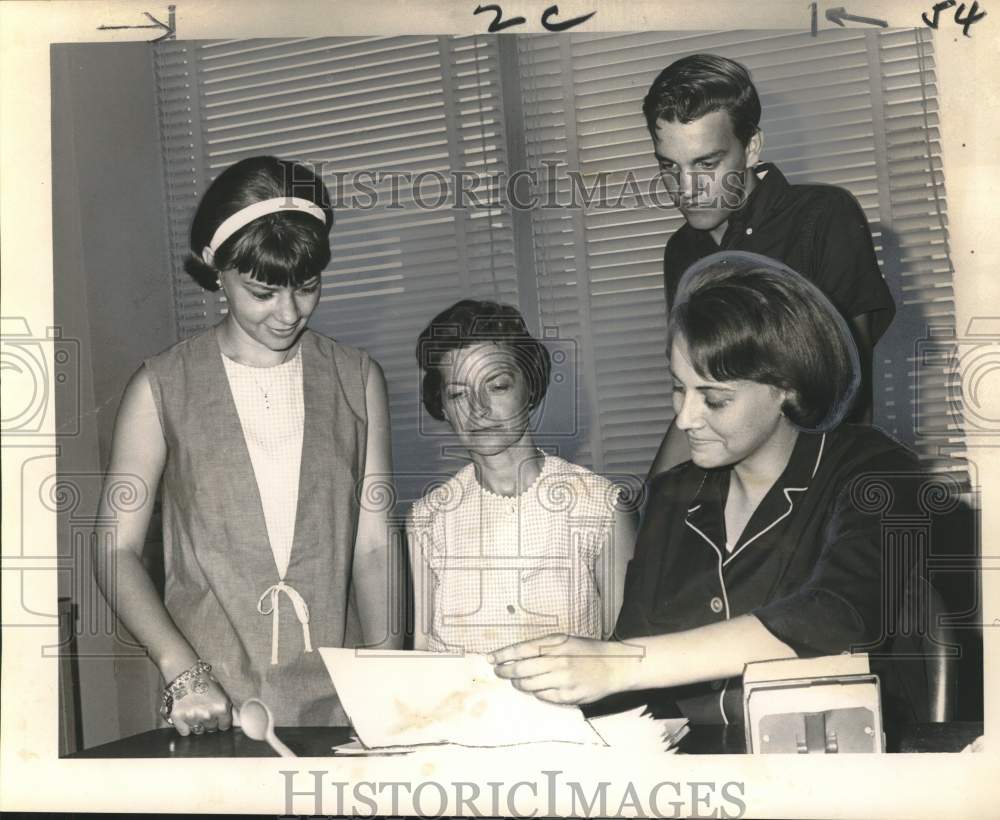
(502, 569)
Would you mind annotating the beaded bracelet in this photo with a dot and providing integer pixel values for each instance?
(194, 679)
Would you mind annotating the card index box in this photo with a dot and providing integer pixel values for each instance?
(827, 705)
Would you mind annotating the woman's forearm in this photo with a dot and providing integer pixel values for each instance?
(372, 582)
(130, 592)
(139, 452)
(707, 653)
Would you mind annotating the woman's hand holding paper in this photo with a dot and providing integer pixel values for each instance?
(568, 670)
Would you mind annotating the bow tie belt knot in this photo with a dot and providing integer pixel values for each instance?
(267, 604)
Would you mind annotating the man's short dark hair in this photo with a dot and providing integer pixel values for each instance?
(746, 317)
(693, 86)
(470, 322)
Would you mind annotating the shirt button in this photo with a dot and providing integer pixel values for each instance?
(510, 609)
(716, 604)
(749, 231)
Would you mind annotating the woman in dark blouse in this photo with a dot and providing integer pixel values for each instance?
(759, 547)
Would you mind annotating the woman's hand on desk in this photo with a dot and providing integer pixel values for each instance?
(208, 711)
(563, 669)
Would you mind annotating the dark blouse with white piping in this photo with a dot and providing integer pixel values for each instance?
(808, 565)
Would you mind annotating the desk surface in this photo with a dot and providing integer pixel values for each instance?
(318, 742)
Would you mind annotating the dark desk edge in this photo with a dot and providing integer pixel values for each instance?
(308, 741)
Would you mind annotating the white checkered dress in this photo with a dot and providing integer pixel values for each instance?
(498, 570)
(272, 429)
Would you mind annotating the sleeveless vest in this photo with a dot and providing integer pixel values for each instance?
(217, 556)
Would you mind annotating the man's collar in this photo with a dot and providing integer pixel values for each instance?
(771, 187)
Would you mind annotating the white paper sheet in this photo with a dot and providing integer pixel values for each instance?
(640, 733)
(408, 698)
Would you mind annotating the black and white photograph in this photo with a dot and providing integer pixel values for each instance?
(514, 409)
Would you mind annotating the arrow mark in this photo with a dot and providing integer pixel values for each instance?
(839, 14)
(169, 28)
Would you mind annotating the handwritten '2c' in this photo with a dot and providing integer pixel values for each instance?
(499, 24)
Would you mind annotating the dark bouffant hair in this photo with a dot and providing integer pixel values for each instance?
(691, 87)
(279, 249)
(745, 316)
(471, 322)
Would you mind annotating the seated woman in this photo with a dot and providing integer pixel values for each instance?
(754, 549)
(519, 543)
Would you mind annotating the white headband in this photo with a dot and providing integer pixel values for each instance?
(256, 211)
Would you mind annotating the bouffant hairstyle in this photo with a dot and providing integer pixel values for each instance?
(471, 322)
(747, 317)
(693, 86)
(281, 248)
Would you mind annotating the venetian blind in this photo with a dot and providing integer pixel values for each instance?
(358, 110)
(855, 109)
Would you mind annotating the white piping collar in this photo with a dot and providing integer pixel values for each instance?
(819, 456)
(791, 504)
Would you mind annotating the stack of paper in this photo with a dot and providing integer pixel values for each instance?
(403, 699)
(640, 732)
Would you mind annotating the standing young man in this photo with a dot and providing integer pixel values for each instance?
(703, 114)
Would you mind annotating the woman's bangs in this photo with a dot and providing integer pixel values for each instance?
(720, 347)
(283, 256)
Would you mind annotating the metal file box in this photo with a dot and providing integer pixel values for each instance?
(829, 705)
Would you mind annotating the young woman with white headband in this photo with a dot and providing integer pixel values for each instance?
(264, 437)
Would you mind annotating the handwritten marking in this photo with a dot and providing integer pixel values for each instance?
(169, 28)
(938, 8)
(962, 19)
(839, 14)
(552, 11)
(974, 16)
(498, 24)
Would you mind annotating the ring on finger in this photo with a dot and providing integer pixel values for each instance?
(197, 728)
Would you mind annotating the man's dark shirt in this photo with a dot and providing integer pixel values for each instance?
(819, 231)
